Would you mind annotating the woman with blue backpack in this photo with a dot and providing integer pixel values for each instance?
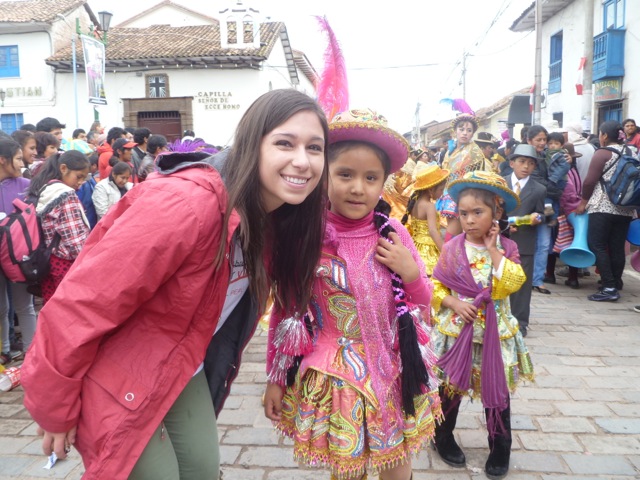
(13, 185)
(608, 223)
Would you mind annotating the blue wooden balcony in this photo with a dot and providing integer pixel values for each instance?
(608, 54)
(555, 77)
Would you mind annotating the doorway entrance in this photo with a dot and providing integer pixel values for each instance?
(164, 116)
(162, 123)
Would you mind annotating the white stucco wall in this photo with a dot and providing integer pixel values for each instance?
(571, 21)
(220, 96)
(33, 92)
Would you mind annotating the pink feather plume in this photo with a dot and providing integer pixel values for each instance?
(459, 105)
(333, 88)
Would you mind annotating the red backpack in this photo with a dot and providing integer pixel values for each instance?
(24, 256)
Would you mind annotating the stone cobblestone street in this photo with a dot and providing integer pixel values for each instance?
(580, 420)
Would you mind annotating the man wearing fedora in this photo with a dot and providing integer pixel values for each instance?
(489, 145)
(523, 161)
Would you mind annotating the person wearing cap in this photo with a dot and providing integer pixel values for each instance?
(465, 157)
(523, 161)
(424, 223)
(122, 153)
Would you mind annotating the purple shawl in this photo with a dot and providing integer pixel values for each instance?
(453, 271)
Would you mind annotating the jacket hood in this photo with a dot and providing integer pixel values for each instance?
(174, 162)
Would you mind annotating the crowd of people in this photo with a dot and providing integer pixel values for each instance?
(73, 182)
(400, 279)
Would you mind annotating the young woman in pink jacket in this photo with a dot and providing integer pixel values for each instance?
(120, 362)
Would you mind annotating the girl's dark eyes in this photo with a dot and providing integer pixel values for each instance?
(284, 143)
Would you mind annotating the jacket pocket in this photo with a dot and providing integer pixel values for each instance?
(127, 390)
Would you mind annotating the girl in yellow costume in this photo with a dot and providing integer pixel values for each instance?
(424, 225)
(465, 157)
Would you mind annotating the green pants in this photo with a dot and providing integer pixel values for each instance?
(185, 446)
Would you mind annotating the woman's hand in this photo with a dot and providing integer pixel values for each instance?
(582, 207)
(273, 401)
(58, 443)
(397, 258)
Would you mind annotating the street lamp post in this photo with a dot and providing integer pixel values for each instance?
(105, 21)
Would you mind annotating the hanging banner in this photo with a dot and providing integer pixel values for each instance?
(94, 68)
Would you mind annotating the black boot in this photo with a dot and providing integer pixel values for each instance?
(497, 465)
(445, 443)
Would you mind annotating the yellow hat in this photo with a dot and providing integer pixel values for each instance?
(429, 177)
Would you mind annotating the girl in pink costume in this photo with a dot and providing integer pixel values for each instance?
(351, 379)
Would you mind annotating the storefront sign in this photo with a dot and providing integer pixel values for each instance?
(217, 101)
(24, 92)
(606, 90)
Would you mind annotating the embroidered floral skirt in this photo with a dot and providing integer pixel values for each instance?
(335, 425)
(515, 356)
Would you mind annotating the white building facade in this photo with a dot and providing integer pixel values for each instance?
(601, 32)
(169, 69)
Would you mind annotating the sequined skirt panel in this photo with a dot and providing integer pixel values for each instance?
(335, 425)
(427, 248)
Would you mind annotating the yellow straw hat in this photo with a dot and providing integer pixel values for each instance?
(485, 181)
(430, 176)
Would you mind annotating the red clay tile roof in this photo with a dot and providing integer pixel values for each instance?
(36, 10)
(170, 44)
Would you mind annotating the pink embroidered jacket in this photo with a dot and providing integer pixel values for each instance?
(346, 295)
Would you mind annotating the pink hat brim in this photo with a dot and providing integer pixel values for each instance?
(394, 144)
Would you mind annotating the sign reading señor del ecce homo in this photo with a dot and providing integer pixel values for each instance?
(217, 101)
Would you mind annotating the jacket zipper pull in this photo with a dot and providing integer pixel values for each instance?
(162, 435)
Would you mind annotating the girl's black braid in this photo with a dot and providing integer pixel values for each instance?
(414, 372)
(410, 205)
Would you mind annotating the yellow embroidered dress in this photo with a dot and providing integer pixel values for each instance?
(427, 248)
(515, 356)
(467, 158)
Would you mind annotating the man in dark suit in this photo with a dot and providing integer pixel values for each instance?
(523, 161)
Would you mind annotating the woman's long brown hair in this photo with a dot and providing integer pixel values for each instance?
(290, 238)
